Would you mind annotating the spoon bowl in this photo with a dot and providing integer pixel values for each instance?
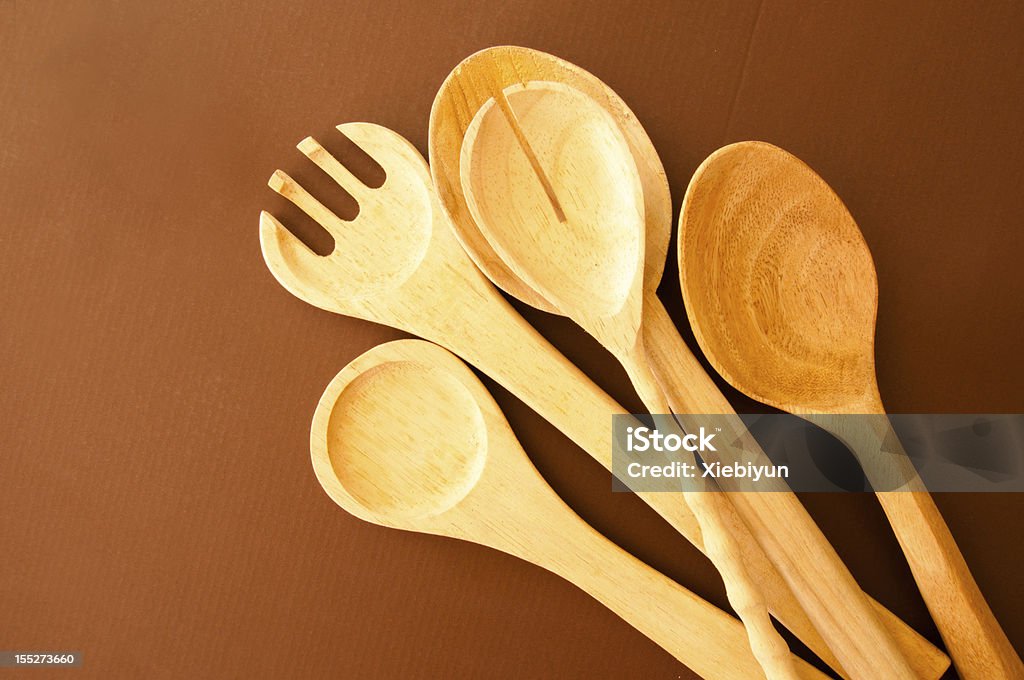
(401, 438)
(372, 455)
(479, 78)
(779, 285)
(552, 185)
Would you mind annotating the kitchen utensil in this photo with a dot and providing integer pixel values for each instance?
(407, 437)
(781, 292)
(491, 70)
(550, 184)
(399, 264)
(467, 88)
(441, 296)
(584, 253)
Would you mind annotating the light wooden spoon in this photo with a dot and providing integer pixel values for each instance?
(781, 291)
(407, 437)
(551, 185)
(578, 239)
(469, 86)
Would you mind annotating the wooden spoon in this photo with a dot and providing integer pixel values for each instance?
(781, 292)
(407, 437)
(585, 253)
(550, 183)
(470, 85)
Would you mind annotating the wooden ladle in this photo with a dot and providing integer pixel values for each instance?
(407, 437)
(781, 292)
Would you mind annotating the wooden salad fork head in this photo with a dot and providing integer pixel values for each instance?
(375, 253)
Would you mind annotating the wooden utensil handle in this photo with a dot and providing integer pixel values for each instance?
(787, 534)
(720, 543)
(557, 390)
(975, 640)
(704, 638)
(486, 331)
(973, 636)
(927, 660)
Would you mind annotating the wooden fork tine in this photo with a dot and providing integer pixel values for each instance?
(293, 191)
(291, 261)
(333, 167)
(391, 151)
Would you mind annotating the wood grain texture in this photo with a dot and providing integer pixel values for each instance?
(691, 385)
(407, 437)
(781, 291)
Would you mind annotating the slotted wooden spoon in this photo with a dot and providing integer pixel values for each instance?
(584, 252)
(781, 292)
(467, 88)
(551, 184)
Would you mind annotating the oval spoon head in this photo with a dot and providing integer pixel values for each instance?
(779, 284)
(551, 184)
(479, 78)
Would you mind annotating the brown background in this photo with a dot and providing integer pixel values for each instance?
(157, 507)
